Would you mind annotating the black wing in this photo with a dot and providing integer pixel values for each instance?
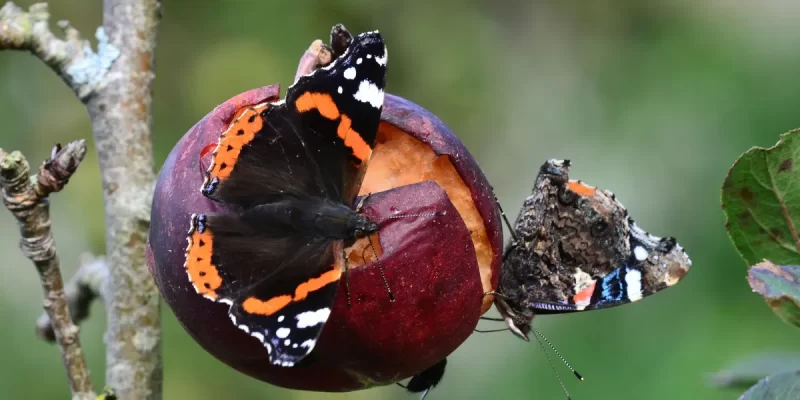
(427, 379)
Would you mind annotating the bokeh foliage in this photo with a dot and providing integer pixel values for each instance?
(651, 99)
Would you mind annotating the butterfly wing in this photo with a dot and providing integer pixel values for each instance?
(260, 159)
(278, 298)
(346, 98)
(318, 140)
(427, 379)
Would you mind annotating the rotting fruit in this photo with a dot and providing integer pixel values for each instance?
(437, 268)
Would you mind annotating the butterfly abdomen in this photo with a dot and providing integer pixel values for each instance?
(313, 217)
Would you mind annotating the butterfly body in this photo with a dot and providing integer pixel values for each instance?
(314, 218)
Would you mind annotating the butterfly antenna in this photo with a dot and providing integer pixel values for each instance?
(505, 218)
(380, 269)
(433, 214)
(550, 361)
(539, 334)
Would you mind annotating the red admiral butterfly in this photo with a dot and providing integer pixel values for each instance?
(574, 248)
(293, 169)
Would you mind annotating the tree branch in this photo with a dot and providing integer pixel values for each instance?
(115, 83)
(88, 283)
(120, 110)
(72, 59)
(26, 198)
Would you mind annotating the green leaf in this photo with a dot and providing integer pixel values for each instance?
(761, 201)
(784, 386)
(780, 287)
(748, 371)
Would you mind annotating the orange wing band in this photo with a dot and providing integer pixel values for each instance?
(583, 297)
(582, 188)
(241, 132)
(324, 103)
(253, 305)
(202, 273)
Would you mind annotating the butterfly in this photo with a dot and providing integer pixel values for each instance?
(575, 248)
(291, 170)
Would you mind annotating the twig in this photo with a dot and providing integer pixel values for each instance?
(88, 283)
(115, 83)
(72, 58)
(26, 198)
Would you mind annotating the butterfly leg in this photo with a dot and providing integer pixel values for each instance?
(380, 269)
(491, 330)
(346, 276)
(493, 293)
(358, 208)
(361, 202)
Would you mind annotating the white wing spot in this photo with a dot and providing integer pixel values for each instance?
(294, 345)
(633, 278)
(308, 344)
(245, 328)
(312, 318)
(258, 336)
(640, 253)
(339, 90)
(287, 342)
(283, 332)
(382, 60)
(281, 318)
(359, 60)
(369, 56)
(368, 92)
(350, 73)
(226, 301)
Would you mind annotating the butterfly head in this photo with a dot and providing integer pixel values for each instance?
(362, 226)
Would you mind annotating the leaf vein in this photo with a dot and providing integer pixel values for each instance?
(784, 209)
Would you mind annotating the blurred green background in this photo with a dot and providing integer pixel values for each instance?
(653, 100)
